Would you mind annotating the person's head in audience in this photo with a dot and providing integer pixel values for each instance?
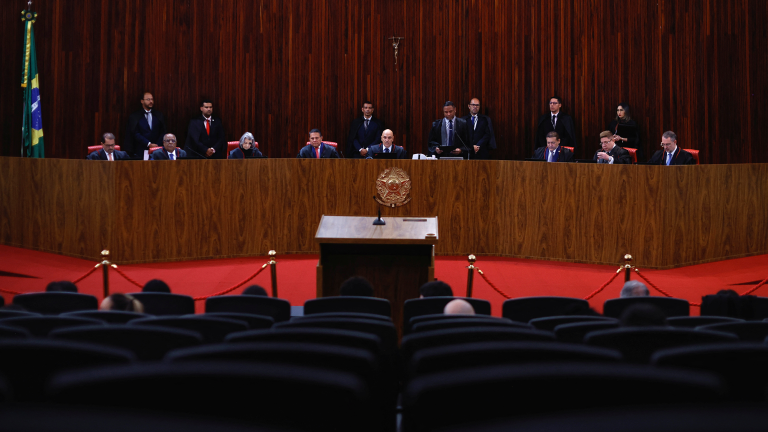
(122, 302)
(108, 142)
(255, 290)
(435, 289)
(634, 288)
(156, 285)
(356, 286)
(458, 307)
(61, 286)
(643, 315)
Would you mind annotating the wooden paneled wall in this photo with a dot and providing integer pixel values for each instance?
(153, 211)
(280, 67)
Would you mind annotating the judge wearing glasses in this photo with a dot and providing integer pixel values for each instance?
(169, 151)
(670, 153)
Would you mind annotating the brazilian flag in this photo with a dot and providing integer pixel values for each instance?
(32, 129)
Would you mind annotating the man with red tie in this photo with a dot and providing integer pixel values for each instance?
(108, 152)
(205, 138)
(317, 149)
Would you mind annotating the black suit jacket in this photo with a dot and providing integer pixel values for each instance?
(372, 136)
(138, 135)
(163, 155)
(307, 152)
(564, 128)
(379, 148)
(238, 153)
(198, 140)
(562, 154)
(460, 128)
(620, 155)
(481, 135)
(102, 155)
(679, 157)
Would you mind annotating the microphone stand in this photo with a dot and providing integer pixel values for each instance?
(462, 143)
(378, 221)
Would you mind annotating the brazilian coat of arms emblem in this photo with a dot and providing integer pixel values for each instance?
(393, 187)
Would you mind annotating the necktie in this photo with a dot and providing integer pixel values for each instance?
(474, 121)
(171, 156)
(669, 158)
(554, 120)
(450, 132)
(149, 120)
(366, 124)
(317, 151)
(386, 150)
(208, 127)
(551, 156)
(109, 156)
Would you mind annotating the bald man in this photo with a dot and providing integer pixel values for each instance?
(458, 307)
(387, 146)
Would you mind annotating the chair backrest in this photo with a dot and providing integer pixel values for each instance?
(330, 143)
(436, 338)
(212, 329)
(254, 322)
(575, 332)
(347, 338)
(367, 305)
(549, 323)
(639, 343)
(435, 305)
(231, 145)
(384, 330)
(156, 303)
(670, 306)
(441, 317)
(41, 326)
(525, 309)
(465, 322)
(749, 331)
(108, 316)
(569, 148)
(15, 313)
(632, 153)
(29, 364)
(694, 153)
(147, 343)
(695, 321)
(9, 332)
(343, 315)
(92, 149)
(54, 303)
(278, 309)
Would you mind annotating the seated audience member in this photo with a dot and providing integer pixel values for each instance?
(122, 302)
(246, 149)
(435, 289)
(643, 315)
(156, 285)
(108, 152)
(611, 153)
(356, 286)
(169, 151)
(255, 290)
(458, 307)
(317, 149)
(634, 288)
(553, 151)
(670, 153)
(61, 286)
(387, 146)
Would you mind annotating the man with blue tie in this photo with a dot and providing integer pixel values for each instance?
(387, 146)
(449, 131)
(365, 131)
(169, 151)
(553, 151)
(145, 129)
(480, 132)
(670, 153)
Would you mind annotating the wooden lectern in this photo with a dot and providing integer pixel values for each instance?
(397, 257)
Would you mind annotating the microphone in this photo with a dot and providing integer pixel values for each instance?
(378, 221)
(193, 151)
(463, 143)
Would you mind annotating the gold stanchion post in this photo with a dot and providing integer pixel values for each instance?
(105, 264)
(273, 271)
(627, 267)
(470, 274)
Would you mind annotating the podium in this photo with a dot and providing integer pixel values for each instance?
(397, 258)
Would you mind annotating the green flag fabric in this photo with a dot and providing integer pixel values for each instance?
(32, 128)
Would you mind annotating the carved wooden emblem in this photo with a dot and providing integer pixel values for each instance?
(393, 187)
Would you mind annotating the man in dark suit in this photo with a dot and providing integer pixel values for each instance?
(145, 129)
(363, 133)
(556, 121)
(108, 152)
(611, 153)
(169, 151)
(480, 132)
(449, 131)
(317, 149)
(671, 154)
(387, 146)
(205, 137)
(553, 152)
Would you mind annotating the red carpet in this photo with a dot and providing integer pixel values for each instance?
(30, 271)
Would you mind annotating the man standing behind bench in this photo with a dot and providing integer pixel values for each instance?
(145, 130)
(205, 137)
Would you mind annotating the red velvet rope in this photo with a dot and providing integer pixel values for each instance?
(120, 272)
(492, 285)
(86, 275)
(756, 287)
(9, 291)
(234, 287)
(659, 289)
(597, 291)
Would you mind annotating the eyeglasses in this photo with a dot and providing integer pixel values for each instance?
(169, 140)
(554, 103)
(474, 104)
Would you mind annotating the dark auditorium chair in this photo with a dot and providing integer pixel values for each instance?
(147, 343)
(278, 309)
(670, 306)
(108, 316)
(484, 354)
(29, 364)
(212, 329)
(162, 304)
(255, 322)
(695, 321)
(435, 305)
(54, 303)
(473, 395)
(525, 309)
(441, 316)
(436, 338)
(575, 332)
(639, 343)
(549, 323)
(747, 331)
(344, 315)
(8, 332)
(368, 305)
(291, 397)
(458, 321)
(346, 338)
(16, 313)
(384, 330)
(41, 326)
(753, 308)
(740, 364)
